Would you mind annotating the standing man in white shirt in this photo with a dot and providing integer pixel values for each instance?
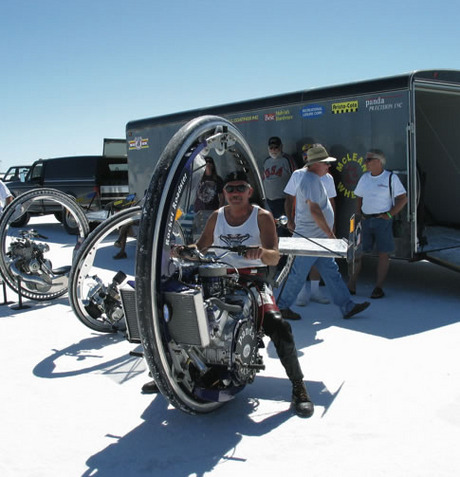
(380, 196)
(314, 218)
(311, 290)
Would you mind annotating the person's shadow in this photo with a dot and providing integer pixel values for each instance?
(173, 443)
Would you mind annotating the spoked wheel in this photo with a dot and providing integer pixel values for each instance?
(89, 281)
(20, 262)
(168, 202)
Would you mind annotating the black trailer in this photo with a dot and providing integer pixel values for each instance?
(412, 117)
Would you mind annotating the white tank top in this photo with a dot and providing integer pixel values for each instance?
(247, 234)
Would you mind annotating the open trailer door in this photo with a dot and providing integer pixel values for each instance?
(437, 149)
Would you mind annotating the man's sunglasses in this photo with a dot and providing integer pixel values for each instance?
(236, 188)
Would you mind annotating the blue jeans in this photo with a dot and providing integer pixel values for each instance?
(329, 272)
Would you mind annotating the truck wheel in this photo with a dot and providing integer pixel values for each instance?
(23, 220)
(69, 222)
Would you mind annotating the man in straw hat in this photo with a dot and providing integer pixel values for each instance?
(311, 290)
(314, 218)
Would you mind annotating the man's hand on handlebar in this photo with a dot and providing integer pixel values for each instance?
(253, 253)
(189, 252)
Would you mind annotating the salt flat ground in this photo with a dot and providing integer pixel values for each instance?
(386, 387)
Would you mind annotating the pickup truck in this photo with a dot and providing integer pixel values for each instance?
(95, 182)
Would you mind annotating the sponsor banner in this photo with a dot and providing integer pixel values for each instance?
(345, 107)
(279, 115)
(138, 143)
(312, 111)
(245, 119)
(384, 103)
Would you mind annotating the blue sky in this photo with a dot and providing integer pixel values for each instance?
(76, 71)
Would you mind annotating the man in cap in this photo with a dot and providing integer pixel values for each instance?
(314, 218)
(277, 169)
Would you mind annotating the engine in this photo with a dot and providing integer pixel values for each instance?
(211, 320)
(104, 300)
(26, 249)
(28, 262)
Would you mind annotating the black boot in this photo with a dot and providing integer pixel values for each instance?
(149, 388)
(301, 401)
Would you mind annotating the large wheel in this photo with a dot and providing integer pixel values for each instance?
(81, 277)
(168, 201)
(31, 285)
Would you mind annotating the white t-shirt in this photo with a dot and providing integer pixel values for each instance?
(329, 185)
(4, 194)
(375, 192)
(248, 234)
(309, 187)
(327, 180)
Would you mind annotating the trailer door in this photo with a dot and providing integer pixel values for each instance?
(437, 148)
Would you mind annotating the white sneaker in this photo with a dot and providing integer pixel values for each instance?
(303, 297)
(318, 298)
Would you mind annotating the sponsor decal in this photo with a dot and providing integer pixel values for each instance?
(312, 111)
(280, 115)
(351, 167)
(283, 115)
(138, 143)
(173, 213)
(245, 119)
(346, 107)
(381, 103)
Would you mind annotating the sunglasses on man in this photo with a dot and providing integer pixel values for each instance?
(236, 188)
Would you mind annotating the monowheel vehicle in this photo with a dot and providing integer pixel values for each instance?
(26, 265)
(93, 290)
(196, 324)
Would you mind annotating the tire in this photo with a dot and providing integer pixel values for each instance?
(83, 262)
(23, 220)
(168, 184)
(15, 208)
(70, 224)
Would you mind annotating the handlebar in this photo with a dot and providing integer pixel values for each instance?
(192, 253)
